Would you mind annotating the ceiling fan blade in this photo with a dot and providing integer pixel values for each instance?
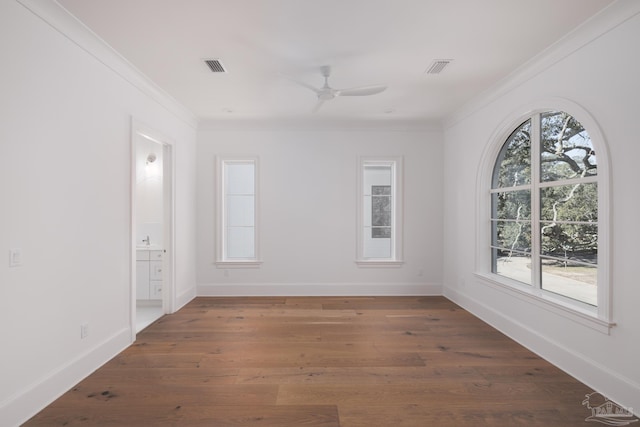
(361, 91)
(301, 83)
(318, 105)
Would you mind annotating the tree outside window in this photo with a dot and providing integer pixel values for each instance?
(544, 207)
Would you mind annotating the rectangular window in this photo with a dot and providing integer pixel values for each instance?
(379, 211)
(237, 208)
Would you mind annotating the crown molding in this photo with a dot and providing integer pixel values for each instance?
(597, 26)
(55, 15)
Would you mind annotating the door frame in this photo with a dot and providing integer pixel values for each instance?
(140, 130)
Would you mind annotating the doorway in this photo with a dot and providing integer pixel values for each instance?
(151, 227)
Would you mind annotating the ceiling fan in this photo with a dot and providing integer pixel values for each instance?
(327, 93)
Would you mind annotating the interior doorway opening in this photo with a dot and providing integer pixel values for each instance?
(151, 228)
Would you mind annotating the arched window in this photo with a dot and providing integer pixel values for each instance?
(546, 226)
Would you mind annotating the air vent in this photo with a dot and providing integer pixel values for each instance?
(215, 65)
(437, 66)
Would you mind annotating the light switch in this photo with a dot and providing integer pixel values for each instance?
(15, 257)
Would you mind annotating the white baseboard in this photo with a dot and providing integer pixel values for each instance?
(318, 289)
(31, 399)
(593, 374)
(184, 298)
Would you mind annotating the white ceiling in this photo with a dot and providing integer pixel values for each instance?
(392, 42)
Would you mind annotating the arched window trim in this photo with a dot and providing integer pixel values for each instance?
(598, 318)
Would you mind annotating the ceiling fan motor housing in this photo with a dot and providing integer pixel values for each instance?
(326, 94)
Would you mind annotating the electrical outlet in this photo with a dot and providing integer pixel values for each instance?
(84, 330)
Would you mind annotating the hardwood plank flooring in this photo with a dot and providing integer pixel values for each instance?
(322, 362)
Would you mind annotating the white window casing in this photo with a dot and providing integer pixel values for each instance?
(237, 211)
(597, 316)
(379, 211)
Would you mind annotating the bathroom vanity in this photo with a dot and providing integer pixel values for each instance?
(149, 274)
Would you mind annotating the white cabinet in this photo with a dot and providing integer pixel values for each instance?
(142, 279)
(155, 290)
(148, 274)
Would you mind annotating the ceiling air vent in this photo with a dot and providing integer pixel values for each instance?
(215, 65)
(437, 66)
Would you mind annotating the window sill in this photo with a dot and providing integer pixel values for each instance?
(546, 302)
(379, 263)
(238, 264)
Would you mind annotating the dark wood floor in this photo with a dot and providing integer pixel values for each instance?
(350, 362)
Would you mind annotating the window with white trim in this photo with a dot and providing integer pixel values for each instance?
(545, 202)
(237, 209)
(380, 211)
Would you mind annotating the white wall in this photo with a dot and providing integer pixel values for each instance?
(308, 211)
(602, 78)
(65, 165)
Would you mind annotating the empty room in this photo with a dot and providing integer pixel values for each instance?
(319, 213)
